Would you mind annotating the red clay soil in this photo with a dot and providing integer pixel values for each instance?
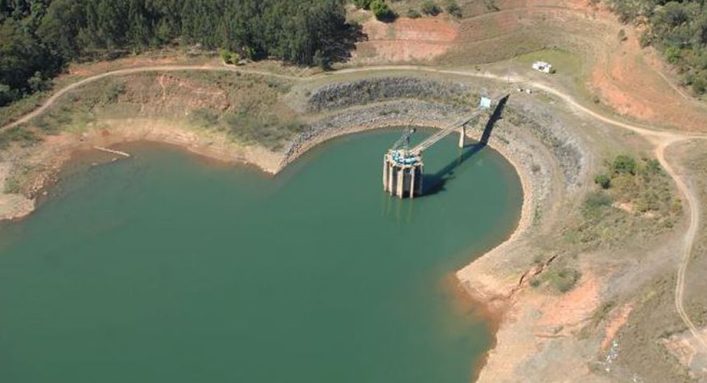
(633, 81)
(630, 81)
(407, 39)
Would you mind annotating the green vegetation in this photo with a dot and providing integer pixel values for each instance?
(633, 199)
(229, 57)
(454, 9)
(363, 4)
(413, 13)
(38, 37)
(595, 203)
(563, 279)
(603, 180)
(624, 164)
(429, 7)
(382, 11)
(565, 62)
(491, 5)
(17, 134)
(269, 131)
(678, 29)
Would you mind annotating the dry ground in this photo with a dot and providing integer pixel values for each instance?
(626, 79)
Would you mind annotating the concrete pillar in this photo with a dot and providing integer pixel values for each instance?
(401, 183)
(462, 136)
(385, 174)
(391, 178)
(412, 182)
(420, 185)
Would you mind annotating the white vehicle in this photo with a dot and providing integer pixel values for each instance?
(542, 66)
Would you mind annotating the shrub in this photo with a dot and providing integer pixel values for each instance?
(430, 8)
(491, 5)
(645, 39)
(672, 54)
(18, 134)
(699, 83)
(454, 9)
(111, 92)
(622, 35)
(603, 180)
(225, 55)
(229, 57)
(534, 282)
(624, 164)
(564, 279)
(235, 58)
(204, 117)
(382, 11)
(413, 13)
(595, 204)
(362, 4)
(653, 167)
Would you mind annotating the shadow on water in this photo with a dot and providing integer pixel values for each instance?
(435, 183)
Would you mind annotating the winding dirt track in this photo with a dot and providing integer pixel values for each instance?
(662, 139)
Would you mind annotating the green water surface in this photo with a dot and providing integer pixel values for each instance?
(164, 268)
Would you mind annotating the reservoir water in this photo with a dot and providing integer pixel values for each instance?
(164, 268)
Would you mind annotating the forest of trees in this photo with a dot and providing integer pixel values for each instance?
(38, 37)
(676, 28)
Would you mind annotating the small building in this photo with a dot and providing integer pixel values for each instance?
(485, 103)
(542, 66)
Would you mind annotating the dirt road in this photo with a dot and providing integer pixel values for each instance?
(660, 138)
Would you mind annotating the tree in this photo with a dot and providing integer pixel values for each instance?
(40, 36)
(321, 60)
(60, 27)
(21, 56)
(7, 95)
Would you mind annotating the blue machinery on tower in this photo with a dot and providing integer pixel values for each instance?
(402, 165)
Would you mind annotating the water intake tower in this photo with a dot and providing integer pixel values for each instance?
(403, 168)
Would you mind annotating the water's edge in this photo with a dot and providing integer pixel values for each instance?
(492, 316)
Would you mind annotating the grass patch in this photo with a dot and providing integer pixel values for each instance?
(562, 61)
(204, 118)
(268, 132)
(561, 279)
(19, 134)
(17, 179)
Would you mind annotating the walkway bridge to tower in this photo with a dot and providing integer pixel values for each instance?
(403, 168)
